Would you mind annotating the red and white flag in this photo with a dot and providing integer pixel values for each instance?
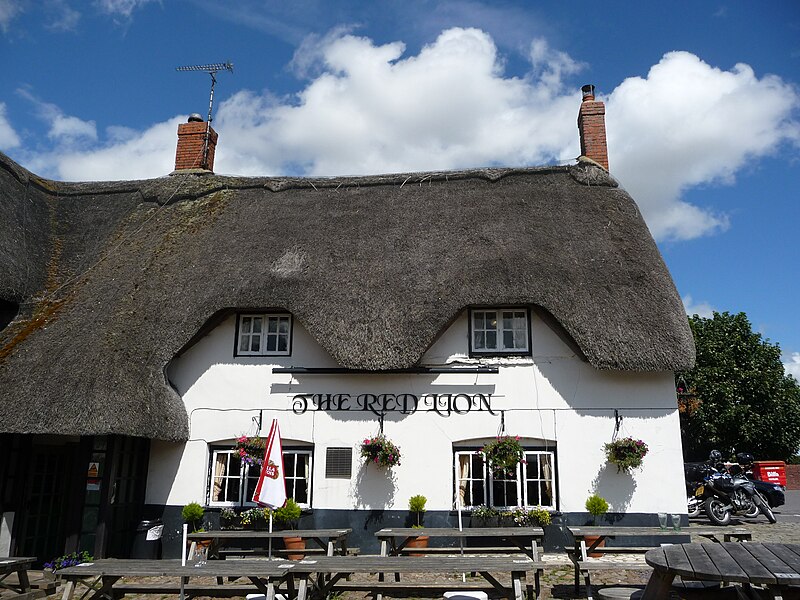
(271, 488)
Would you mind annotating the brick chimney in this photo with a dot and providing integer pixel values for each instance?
(192, 145)
(592, 127)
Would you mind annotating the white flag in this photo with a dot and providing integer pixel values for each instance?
(271, 488)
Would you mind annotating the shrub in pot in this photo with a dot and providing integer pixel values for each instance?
(597, 506)
(288, 517)
(416, 504)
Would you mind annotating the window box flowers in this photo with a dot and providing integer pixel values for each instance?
(504, 453)
(627, 453)
(380, 451)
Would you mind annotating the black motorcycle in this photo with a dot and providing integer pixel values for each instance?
(725, 493)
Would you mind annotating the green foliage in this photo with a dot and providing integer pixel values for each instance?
(288, 514)
(596, 505)
(531, 517)
(484, 512)
(380, 451)
(253, 516)
(193, 513)
(627, 453)
(68, 560)
(504, 453)
(742, 400)
(417, 503)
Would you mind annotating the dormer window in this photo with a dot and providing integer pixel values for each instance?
(503, 331)
(264, 335)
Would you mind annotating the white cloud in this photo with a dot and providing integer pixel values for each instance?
(8, 10)
(120, 8)
(146, 154)
(372, 109)
(66, 130)
(8, 137)
(792, 366)
(688, 123)
(368, 108)
(61, 16)
(703, 309)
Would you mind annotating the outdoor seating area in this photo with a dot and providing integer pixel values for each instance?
(509, 566)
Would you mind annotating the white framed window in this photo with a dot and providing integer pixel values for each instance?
(531, 484)
(499, 331)
(264, 335)
(233, 483)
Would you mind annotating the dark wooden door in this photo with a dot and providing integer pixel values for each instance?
(42, 529)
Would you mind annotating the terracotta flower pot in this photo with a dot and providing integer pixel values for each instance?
(294, 543)
(421, 541)
(591, 539)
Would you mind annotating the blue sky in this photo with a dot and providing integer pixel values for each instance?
(703, 107)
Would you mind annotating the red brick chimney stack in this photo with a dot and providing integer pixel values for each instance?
(592, 127)
(191, 145)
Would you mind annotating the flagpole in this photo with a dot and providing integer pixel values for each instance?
(183, 556)
(460, 528)
(270, 537)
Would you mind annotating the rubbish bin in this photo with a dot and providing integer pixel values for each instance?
(147, 541)
(773, 471)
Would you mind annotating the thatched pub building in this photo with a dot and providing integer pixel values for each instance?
(146, 325)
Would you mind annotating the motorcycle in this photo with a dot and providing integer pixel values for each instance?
(725, 493)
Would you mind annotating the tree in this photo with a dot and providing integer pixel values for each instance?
(737, 397)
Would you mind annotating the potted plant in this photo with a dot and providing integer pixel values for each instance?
(288, 517)
(597, 506)
(531, 517)
(228, 519)
(380, 451)
(254, 518)
(627, 453)
(503, 454)
(192, 514)
(416, 504)
(484, 516)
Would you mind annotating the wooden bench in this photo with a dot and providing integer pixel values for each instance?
(581, 552)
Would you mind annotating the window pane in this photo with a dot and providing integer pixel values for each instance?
(284, 325)
(508, 339)
(491, 340)
(244, 343)
(534, 499)
(271, 343)
(247, 325)
(255, 346)
(272, 326)
(256, 324)
(282, 344)
(289, 461)
(480, 340)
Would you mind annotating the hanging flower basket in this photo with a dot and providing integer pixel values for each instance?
(627, 453)
(504, 453)
(380, 451)
(251, 449)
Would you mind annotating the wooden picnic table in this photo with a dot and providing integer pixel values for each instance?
(394, 540)
(19, 565)
(581, 551)
(327, 539)
(325, 575)
(106, 573)
(775, 566)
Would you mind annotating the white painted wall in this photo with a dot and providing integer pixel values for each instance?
(553, 397)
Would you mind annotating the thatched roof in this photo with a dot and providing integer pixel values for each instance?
(114, 279)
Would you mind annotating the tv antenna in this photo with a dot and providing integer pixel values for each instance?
(212, 70)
